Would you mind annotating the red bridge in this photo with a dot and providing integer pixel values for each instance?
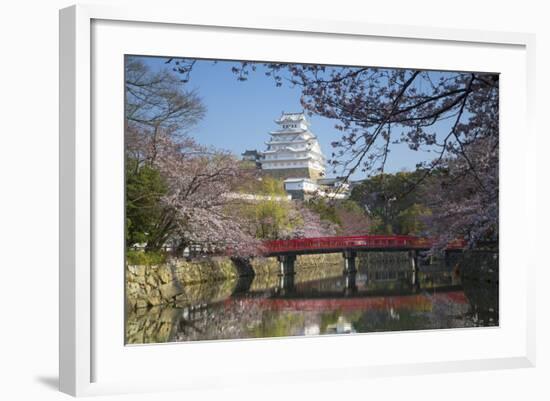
(357, 243)
(287, 250)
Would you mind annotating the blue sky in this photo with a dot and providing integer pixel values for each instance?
(240, 114)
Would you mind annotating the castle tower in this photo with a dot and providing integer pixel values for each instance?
(293, 151)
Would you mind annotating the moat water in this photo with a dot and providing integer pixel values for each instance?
(379, 297)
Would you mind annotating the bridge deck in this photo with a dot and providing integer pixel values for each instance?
(357, 243)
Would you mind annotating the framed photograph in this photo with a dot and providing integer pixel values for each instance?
(290, 198)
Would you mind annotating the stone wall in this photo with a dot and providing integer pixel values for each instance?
(307, 267)
(179, 280)
(270, 266)
(368, 259)
(156, 285)
(154, 325)
(299, 172)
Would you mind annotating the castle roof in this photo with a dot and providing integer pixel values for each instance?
(292, 117)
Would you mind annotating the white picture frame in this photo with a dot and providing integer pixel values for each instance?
(81, 344)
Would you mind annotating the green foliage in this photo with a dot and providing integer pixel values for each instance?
(268, 216)
(266, 185)
(278, 325)
(328, 318)
(394, 203)
(348, 216)
(272, 186)
(326, 210)
(272, 218)
(149, 258)
(349, 205)
(379, 227)
(410, 220)
(144, 189)
(247, 164)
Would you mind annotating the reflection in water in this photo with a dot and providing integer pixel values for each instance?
(377, 298)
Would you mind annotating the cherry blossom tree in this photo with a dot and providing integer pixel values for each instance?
(311, 224)
(353, 220)
(192, 207)
(460, 208)
(198, 208)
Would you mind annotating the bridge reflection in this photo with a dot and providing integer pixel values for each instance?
(360, 291)
(330, 305)
(356, 284)
(391, 297)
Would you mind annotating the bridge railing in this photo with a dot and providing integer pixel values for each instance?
(374, 241)
(364, 241)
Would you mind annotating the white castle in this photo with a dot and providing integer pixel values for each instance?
(293, 150)
(294, 155)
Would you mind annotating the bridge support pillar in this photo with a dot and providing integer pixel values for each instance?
(425, 258)
(286, 263)
(413, 260)
(286, 284)
(351, 285)
(415, 283)
(349, 262)
(243, 284)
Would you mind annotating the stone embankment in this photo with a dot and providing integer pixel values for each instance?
(181, 281)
